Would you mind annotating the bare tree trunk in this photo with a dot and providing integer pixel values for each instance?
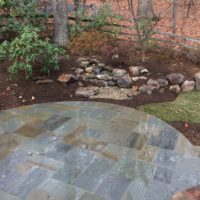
(76, 10)
(61, 33)
(145, 9)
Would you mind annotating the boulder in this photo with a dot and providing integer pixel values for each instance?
(119, 72)
(153, 84)
(197, 80)
(188, 86)
(124, 82)
(66, 78)
(146, 89)
(87, 91)
(175, 89)
(135, 70)
(163, 82)
(176, 78)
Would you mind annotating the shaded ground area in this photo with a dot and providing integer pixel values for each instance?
(92, 151)
(17, 92)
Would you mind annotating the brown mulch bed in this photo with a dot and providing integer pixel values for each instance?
(189, 130)
(19, 91)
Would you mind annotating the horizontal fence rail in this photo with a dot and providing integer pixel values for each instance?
(172, 39)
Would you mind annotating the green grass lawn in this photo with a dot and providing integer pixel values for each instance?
(185, 108)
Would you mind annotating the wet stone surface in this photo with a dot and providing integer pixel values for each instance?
(92, 151)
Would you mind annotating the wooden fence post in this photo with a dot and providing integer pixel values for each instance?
(174, 16)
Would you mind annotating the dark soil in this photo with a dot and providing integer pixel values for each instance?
(190, 131)
(19, 91)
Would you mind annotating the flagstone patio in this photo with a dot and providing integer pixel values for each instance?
(92, 151)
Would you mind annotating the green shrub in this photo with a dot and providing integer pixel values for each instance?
(20, 13)
(26, 49)
(24, 46)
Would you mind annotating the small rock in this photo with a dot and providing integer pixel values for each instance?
(81, 59)
(78, 76)
(149, 90)
(87, 91)
(110, 83)
(144, 71)
(97, 83)
(33, 98)
(79, 71)
(161, 90)
(135, 70)
(134, 88)
(188, 86)
(94, 61)
(176, 78)
(135, 78)
(108, 68)
(89, 70)
(115, 56)
(8, 88)
(143, 88)
(81, 84)
(163, 82)
(142, 77)
(44, 81)
(119, 72)
(89, 76)
(124, 82)
(84, 64)
(175, 89)
(197, 80)
(102, 65)
(154, 84)
(66, 78)
(104, 77)
(97, 70)
(106, 72)
(135, 91)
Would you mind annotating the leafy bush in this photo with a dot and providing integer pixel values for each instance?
(24, 50)
(23, 24)
(19, 13)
